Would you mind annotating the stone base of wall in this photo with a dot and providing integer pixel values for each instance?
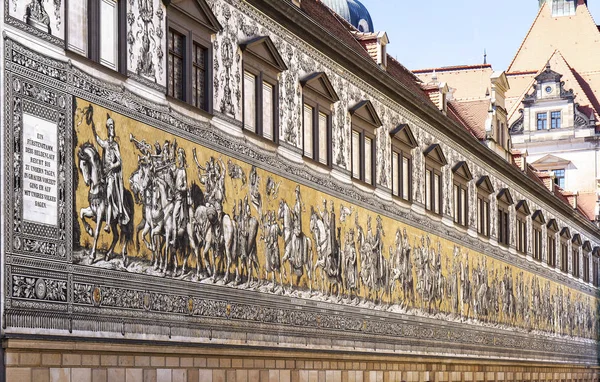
(85, 361)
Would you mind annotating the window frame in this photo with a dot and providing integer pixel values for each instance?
(522, 230)
(552, 120)
(544, 121)
(93, 42)
(403, 144)
(365, 124)
(587, 258)
(504, 201)
(576, 248)
(434, 162)
(596, 267)
(364, 134)
(551, 233)
(266, 70)
(321, 102)
(461, 176)
(194, 34)
(565, 237)
(537, 223)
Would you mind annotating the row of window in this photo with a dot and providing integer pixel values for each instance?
(555, 120)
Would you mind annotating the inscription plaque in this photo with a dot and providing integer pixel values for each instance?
(40, 191)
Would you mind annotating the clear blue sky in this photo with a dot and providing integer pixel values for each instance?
(435, 33)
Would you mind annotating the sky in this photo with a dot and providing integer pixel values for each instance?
(436, 33)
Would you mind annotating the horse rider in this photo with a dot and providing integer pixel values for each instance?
(113, 171)
(180, 209)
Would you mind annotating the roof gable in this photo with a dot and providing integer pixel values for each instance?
(404, 134)
(199, 11)
(538, 216)
(505, 196)
(436, 154)
(263, 48)
(319, 83)
(550, 161)
(522, 207)
(565, 232)
(577, 239)
(366, 112)
(576, 37)
(552, 225)
(462, 169)
(484, 183)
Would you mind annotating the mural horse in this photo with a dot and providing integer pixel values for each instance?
(91, 169)
(297, 248)
(328, 255)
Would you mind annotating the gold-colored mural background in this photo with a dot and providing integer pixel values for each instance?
(446, 273)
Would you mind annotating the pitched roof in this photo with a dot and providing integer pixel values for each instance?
(470, 82)
(343, 31)
(577, 37)
(474, 114)
(523, 84)
(586, 204)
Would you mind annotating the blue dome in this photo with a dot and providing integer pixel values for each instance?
(354, 12)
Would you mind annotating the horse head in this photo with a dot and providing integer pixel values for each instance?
(89, 164)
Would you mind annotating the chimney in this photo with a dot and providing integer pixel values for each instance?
(375, 44)
(572, 198)
(547, 178)
(520, 159)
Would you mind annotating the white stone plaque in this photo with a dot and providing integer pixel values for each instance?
(40, 165)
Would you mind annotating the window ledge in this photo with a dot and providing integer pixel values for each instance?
(316, 165)
(363, 185)
(189, 107)
(105, 70)
(259, 140)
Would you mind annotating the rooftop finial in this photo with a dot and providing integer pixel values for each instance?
(548, 66)
(484, 56)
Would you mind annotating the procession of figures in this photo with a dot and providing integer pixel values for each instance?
(189, 233)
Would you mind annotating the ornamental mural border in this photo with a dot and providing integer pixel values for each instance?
(128, 104)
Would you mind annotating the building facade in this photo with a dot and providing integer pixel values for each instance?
(552, 103)
(228, 190)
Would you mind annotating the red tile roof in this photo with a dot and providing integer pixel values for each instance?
(474, 114)
(452, 68)
(586, 204)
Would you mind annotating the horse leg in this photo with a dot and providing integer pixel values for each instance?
(115, 239)
(138, 228)
(124, 252)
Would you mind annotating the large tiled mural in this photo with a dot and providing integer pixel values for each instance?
(153, 203)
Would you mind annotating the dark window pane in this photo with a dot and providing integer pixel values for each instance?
(175, 60)
(199, 77)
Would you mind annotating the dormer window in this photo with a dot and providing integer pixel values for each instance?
(403, 143)
(434, 161)
(460, 192)
(364, 123)
(262, 65)
(319, 97)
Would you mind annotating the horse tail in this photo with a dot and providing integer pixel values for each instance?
(127, 230)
